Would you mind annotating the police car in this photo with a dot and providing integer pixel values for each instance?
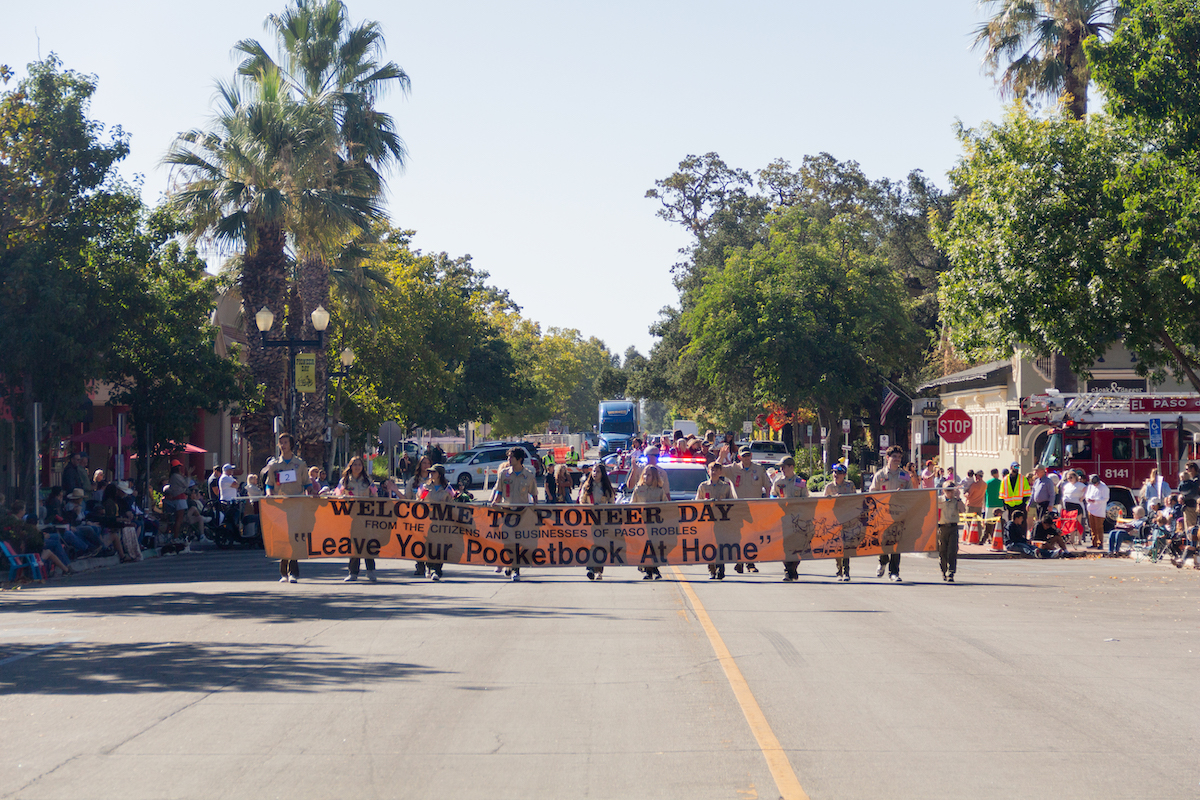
(684, 474)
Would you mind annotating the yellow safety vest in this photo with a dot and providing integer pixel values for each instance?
(1014, 495)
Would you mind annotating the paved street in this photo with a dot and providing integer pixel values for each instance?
(199, 676)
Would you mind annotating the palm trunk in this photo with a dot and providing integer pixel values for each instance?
(264, 283)
(313, 290)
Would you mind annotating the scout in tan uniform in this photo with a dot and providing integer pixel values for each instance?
(950, 505)
(789, 484)
(838, 486)
(715, 488)
(287, 476)
(891, 479)
(515, 486)
(749, 483)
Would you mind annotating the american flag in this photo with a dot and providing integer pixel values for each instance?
(889, 400)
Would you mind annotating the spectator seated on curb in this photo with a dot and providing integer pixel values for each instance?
(1127, 532)
(26, 539)
(1047, 536)
(73, 518)
(1016, 541)
(1184, 545)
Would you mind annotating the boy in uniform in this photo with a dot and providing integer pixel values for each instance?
(287, 476)
(515, 486)
(950, 505)
(789, 484)
(839, 486)
(891, 479)
(749, 483)
(715, 488)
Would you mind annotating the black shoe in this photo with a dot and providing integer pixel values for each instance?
(721, 573)
(649, 576)
(591, 575)
(657, 574)
(788, 578)
(419, 572)
(950, 578)
(751, 568)
(738, 568)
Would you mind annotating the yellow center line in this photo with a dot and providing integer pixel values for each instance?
(781, 769)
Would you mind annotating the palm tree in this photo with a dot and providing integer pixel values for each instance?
(1041, 41)
(335, 69)
(262, 169)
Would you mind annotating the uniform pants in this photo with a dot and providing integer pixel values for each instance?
(843, 567)
(947, 541)
(354, 565)
(1097, 526)
(289, 567)
(891, 561)
(791, 567)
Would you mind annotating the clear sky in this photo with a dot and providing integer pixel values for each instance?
(535, 128)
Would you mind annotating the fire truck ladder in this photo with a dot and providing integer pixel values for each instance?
(1095, 408)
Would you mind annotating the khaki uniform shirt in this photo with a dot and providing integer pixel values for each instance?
(649, 494)
(886, 481)
(783, 486)
(833, 490)
(748, 484)
(714, 490)
(287, 477)
(516, 488)
(950, 508)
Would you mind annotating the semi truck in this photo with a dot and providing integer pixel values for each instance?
(618, 425)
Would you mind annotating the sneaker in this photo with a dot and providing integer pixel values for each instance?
(880, 571)
(751, 568)
(657, 575)
(895, 578)
(950, 578)
(591, 575)
(507, 571)
(721, 573)
(649, 576)
(371, 575)
(599, 576)
(351, 578)
(293, 579)
(789, 579)
(712, 575)
(845, 578)
(738, 568)
(437, 576)
(283, 579)
(516, 576)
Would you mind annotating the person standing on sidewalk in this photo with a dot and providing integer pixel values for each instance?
(891, 479)
(1014, 490)
(975, 492)
(789, 484)
(1096, 499)
(515, 486)
(839, 486)
(991, 497)
(1041, 493)
(950, 505)
(287, 476)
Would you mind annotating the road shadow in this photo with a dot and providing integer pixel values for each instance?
(79, 668)
(283, 607)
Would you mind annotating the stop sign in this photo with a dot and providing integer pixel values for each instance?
(954, 426)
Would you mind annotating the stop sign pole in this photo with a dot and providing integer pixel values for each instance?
(954, 426)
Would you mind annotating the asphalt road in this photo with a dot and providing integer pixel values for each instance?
(201, 677)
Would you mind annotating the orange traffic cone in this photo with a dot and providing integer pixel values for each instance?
(998, 538)
(973, 532)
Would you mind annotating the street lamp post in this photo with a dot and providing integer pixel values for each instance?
(264, 319)
(347, 359)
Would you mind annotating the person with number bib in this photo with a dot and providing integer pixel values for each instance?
(287, 476)
(789, 484)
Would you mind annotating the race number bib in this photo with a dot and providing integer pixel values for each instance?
(286, 476)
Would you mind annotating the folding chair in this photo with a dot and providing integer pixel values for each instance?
(19, 561)
(1069, 526)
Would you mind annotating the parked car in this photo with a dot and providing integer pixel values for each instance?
(534, 458)
(469, 468)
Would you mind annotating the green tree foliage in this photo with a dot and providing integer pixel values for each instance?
(434, 357)
(1037, 46)
(1050, 251)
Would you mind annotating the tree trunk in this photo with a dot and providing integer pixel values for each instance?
(264, 283)
(313, 291)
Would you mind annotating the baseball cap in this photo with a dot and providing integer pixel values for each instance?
(745, 451)
(652, 450)
(228, 466)
(839, 468)
(1014, 465)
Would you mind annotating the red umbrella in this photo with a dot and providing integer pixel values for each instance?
(106, 435)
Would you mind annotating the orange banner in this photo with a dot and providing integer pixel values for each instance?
(616, 535)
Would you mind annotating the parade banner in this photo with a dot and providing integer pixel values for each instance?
(687, 533)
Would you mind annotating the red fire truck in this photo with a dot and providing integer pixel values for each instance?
(1109, 435)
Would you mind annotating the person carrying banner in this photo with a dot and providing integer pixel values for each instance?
(597, 490)
(839, 486)
(436, 490)
(356, 483)
(891, 479)
(788, 484)
(715, 488)
(749, 483)
(515, 486)
(287, 476)
(652, 487)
